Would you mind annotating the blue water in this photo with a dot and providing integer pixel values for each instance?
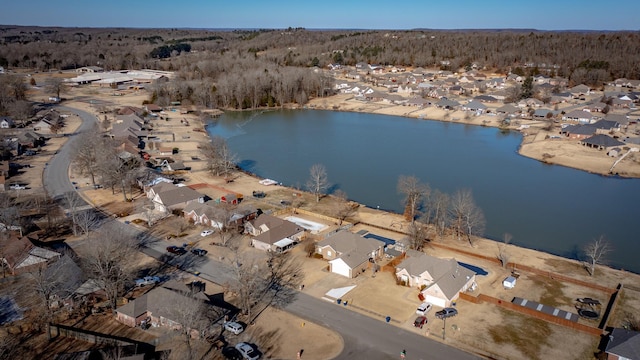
(545, 207)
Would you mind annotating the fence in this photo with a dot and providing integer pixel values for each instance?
(533, 313)
(96, 338)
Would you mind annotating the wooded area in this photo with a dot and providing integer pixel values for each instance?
(253, 68)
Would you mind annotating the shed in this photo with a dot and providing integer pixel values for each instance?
(509, 282)
(229, 199)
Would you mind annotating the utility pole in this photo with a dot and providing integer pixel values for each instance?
(444, 328)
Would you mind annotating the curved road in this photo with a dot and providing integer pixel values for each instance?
(56, 173)
(364, 337)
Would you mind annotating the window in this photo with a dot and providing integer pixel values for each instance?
(329, 253)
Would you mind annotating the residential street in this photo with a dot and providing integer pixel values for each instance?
(364, 337)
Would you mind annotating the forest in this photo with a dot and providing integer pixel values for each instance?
(267, 67)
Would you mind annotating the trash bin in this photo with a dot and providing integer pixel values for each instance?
(339, 301)
(388, 318)
(345, 303)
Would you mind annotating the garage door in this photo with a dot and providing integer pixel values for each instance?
(338, 266)
(436, 301)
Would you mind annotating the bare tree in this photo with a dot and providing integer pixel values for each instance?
(343, 208)
(54, 282)
(414, 193)
(73, 202)
(596, 252)
(318, 182)
(108, 259)
(189, 314)
(417, 234)
(266, 283)
(221, 215)
(438, 204)
(86, 153)
(250, 282)
(9, 213)
(87, 220)
(220, 159)
(55, 86)
(503, 254)
(467, 218)
(285, 277)
(119, 169)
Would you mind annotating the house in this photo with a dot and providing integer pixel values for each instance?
(89, 69)
(476, 106)
(447, 104)
(209, 214)
(508, 109)
(623, 344)
(19, 255)
(270, 233)
(349, 254)
(175, 198)
(6, 122)
(163, 307)
(165, 165)
(601, 142)
(485, 98)
(542, 114)
(152, 108)
(580, 90)
(583, 117)
(440, 280)
(156, 185)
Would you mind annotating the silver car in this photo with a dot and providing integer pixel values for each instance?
(233, 327)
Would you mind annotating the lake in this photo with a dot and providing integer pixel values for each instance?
(545, 207)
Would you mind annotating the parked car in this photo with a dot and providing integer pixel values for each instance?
(446, 312)
(231, 353)
(176, 250)
(206, 233)
(17, 187)
(199, 252)
(234, 327)
(420, 321)
(247, 351)
(147, 280)
(423, 308)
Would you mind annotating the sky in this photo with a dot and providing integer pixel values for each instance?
(326, 14)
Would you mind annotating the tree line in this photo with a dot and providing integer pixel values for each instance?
(613, 54)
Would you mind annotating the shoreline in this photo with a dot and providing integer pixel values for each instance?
(563, 152)
(198, 134)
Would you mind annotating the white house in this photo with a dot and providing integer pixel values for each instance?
(440, 280)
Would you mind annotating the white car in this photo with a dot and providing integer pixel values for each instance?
(423, 309)
(147, 280)
(17, 187)
(247, 351)
(234, 327)
(206, 233)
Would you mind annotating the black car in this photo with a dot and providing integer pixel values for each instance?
(446, 312)
(176, 250)
(199, 252)
(231, 353)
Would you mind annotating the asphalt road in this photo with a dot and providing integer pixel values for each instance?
(56, 173)
(364, 337)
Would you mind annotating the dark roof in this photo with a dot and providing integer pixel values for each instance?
(602, 141)
(624, 343)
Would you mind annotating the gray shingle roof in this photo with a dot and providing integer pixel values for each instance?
(624, 343)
